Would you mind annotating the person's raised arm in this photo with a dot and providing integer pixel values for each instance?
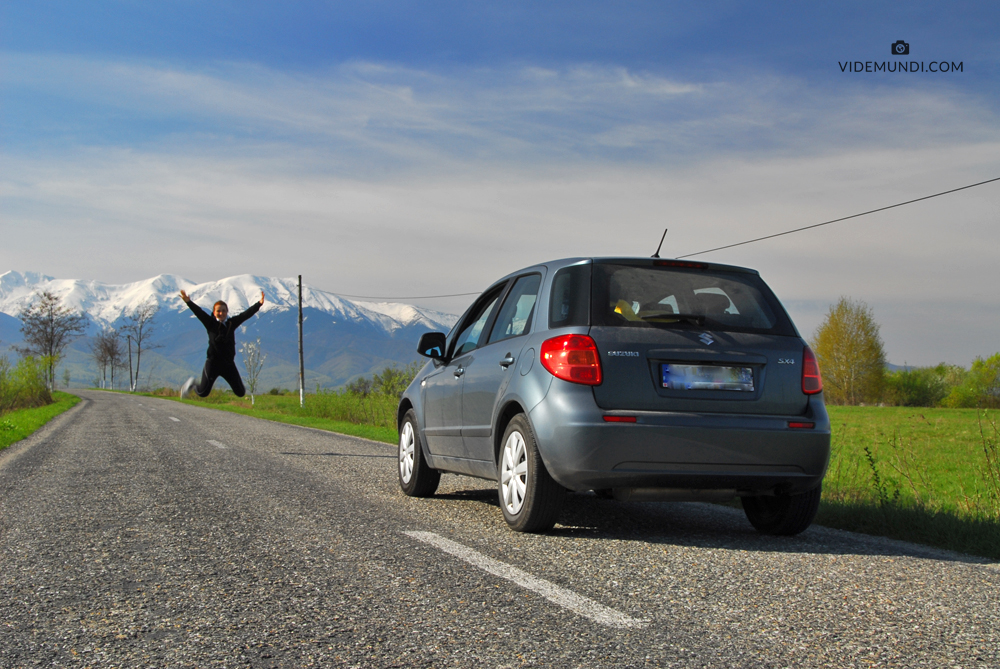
(254, 308)
(198, 311)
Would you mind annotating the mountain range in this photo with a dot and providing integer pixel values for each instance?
(342, 339)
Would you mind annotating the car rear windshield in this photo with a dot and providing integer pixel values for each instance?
(652, 295)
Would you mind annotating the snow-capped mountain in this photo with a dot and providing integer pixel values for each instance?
(106, 304)
(342, 338)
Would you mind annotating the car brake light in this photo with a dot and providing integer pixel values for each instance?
(679, 263)
(572, 358)
(812, 382)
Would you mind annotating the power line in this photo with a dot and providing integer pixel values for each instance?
(689, 255)
(837, 220)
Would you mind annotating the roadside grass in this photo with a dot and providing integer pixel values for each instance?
(370, 418)
(915, 474)
(924, 475)
(21, 423)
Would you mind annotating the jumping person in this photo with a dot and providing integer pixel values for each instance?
(221, 347)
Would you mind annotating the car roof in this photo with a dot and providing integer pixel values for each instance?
(675, 262)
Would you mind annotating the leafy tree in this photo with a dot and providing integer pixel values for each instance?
(980, 386)
(47, 328)
(850, 353)
(140, 325)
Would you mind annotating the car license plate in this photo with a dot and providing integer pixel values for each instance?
(706, 377)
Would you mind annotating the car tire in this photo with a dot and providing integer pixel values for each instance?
(529, 497)
(416, 479)
(782, 514)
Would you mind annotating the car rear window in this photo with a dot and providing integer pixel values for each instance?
(650, 296)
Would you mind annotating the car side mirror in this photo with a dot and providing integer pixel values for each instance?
(432, 345)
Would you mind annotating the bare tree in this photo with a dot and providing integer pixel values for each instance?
(116, 354)
(47, 328)
(140, 326)
(106, 350)
(253, 361)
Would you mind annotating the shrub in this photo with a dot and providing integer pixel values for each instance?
(23, 386)
(980, 386)
(920, 386)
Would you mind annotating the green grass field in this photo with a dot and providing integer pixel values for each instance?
(16, 425)
(930, 457)
(926, 475)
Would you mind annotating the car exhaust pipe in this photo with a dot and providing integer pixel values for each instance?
(672, 495)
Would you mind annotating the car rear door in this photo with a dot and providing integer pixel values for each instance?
(488, 371)
(442, 392)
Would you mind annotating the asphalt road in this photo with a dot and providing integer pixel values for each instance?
(137, 532)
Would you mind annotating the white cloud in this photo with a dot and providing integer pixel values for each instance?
(371, 179)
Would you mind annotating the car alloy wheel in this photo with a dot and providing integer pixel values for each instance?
(406, 447)
(416, 478)
(513, 473)
(529, 497)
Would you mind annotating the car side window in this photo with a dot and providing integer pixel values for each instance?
(468, 337)
(518, 309)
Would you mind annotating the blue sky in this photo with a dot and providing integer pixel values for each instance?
(394, 148)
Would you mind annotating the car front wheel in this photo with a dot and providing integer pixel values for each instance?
(415, 478)
(782, 514)
(529, 497)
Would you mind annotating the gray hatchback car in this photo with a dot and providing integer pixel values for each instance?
(638, 378)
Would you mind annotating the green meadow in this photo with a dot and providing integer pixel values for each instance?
(927, 475)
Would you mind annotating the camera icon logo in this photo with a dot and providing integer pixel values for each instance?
(900, 48)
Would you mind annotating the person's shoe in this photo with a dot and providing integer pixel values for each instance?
(186, 388)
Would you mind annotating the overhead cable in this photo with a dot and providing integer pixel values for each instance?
(837, 220)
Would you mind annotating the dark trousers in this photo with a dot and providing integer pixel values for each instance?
(213, 370)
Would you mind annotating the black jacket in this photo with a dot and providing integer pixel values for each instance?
(222, 336)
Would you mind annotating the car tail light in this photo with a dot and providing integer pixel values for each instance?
(572, 358)
(812, 382)
(619, 419)
(801, 425)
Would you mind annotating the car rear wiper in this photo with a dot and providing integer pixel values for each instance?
(667, 317)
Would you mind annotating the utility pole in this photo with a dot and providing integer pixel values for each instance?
(302, 364)
(131, 386)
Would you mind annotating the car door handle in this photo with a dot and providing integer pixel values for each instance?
(459, 372)
(507, 362)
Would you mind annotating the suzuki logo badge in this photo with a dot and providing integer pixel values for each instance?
(706, 339)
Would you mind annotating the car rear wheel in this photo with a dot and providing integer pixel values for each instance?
(415, 477)
(782, 514)
(529, 497)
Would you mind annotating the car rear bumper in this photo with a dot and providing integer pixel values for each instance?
(749, 454)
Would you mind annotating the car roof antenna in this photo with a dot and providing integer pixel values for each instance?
(657, 254)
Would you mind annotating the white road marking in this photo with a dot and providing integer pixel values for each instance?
(565, 598)
(176, 420)
(218, 444)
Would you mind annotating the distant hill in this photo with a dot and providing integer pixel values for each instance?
(342, 338)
